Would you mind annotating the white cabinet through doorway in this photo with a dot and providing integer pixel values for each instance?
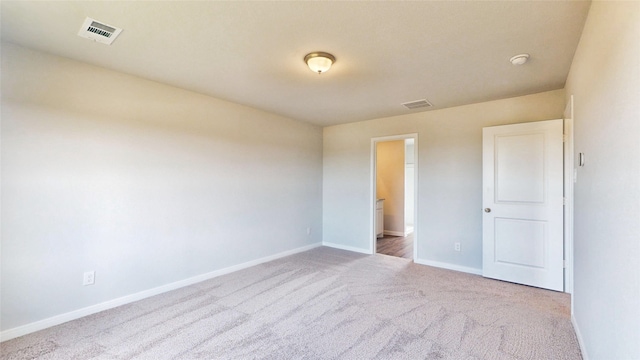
(379, 218)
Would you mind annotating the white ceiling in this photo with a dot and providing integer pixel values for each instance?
(449, 52)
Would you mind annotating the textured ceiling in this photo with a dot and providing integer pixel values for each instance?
(449, 52)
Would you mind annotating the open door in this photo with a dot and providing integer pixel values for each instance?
(523, 204)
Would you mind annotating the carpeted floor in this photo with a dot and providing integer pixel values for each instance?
(323, 304)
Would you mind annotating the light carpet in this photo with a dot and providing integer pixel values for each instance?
(323, 304)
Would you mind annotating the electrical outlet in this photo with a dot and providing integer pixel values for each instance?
(456, 246)
(89, 278)
(308, 231)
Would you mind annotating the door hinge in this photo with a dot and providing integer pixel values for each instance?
(564, 138)
(564, 201)
(564, 264)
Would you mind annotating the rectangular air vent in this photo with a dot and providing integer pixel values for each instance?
(97, 31)
(417, 104)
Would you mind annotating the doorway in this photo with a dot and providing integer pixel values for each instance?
(393, 197)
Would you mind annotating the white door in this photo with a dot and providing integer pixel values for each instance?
(522, 200)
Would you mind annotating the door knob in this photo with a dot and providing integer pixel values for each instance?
(487, 210)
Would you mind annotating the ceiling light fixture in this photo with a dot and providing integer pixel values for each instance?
(519, 59)
(319, 62)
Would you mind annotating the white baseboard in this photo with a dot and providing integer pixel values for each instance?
(76, 314)
(394, 233)
(348, 248)
(583, 350)
(448, 266)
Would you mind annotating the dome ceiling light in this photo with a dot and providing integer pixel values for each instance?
(319, 62)
(519, 59)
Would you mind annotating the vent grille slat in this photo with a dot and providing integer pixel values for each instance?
(99, 32)
(417, 104)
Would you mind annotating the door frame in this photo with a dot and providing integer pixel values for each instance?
(373, 193)
(570, 174)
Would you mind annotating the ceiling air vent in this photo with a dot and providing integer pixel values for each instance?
(417, 104)
(97, 31)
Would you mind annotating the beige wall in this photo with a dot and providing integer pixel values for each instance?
(144, 183)
(449, 177)
(390, 183)
(605, 82)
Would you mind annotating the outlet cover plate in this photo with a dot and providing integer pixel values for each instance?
(89, 278)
